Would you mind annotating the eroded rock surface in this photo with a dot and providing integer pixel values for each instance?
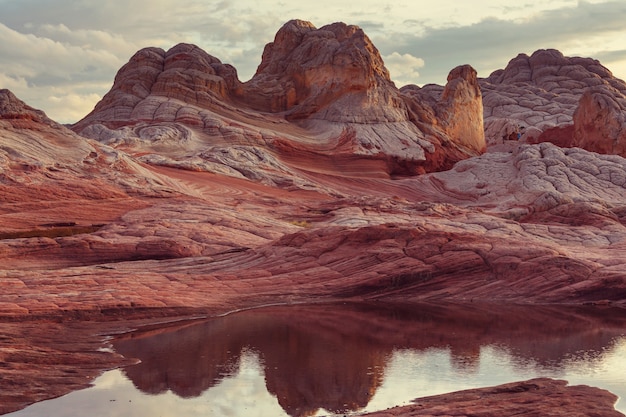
(543, 397)
(600, 122)
(323, 92)
(538, 96)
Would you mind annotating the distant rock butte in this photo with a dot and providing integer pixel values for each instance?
(569, 101)
(323, 92)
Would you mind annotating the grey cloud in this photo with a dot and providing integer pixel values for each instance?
(491, 43)
(611, 56)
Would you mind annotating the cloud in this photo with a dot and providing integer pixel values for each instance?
(81, 45)
(403, 68)
(490, 43)
(13, 83)
(54, 61)
(62, 106)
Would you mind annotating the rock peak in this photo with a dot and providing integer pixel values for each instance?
(12, 108)
(306, 68)
(330, 85)
(461, 108)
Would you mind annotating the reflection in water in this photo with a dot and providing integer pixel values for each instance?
(340, 359)
(334, 357)
(314, 358)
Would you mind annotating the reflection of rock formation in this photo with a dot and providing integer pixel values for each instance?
(310, 361)
(187, 361)
(309, 366)
(333, 357)
(465, 358)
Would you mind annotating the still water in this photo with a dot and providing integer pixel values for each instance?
(325, 360)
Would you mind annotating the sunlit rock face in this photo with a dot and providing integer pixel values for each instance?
(600, 122)
(539, 96)
(334, 73)
(461, 108)
(323, 92)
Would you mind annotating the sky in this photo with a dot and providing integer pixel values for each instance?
(61, 56)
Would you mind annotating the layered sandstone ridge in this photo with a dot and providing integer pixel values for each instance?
(570, 101)
(322, 92)
(53, 181)
(44, 143)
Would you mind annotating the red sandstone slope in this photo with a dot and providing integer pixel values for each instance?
(46, 169)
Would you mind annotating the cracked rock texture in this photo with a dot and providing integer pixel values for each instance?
(547, 97)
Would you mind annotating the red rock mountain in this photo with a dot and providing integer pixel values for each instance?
(323, 92)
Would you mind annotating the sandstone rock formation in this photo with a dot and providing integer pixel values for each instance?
(334, 74)
(324, 92)
(538, 96)
(529, 398)
(600, 122)
(32, 140)
(198, 193)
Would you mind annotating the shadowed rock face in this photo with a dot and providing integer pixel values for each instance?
(185, 73)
